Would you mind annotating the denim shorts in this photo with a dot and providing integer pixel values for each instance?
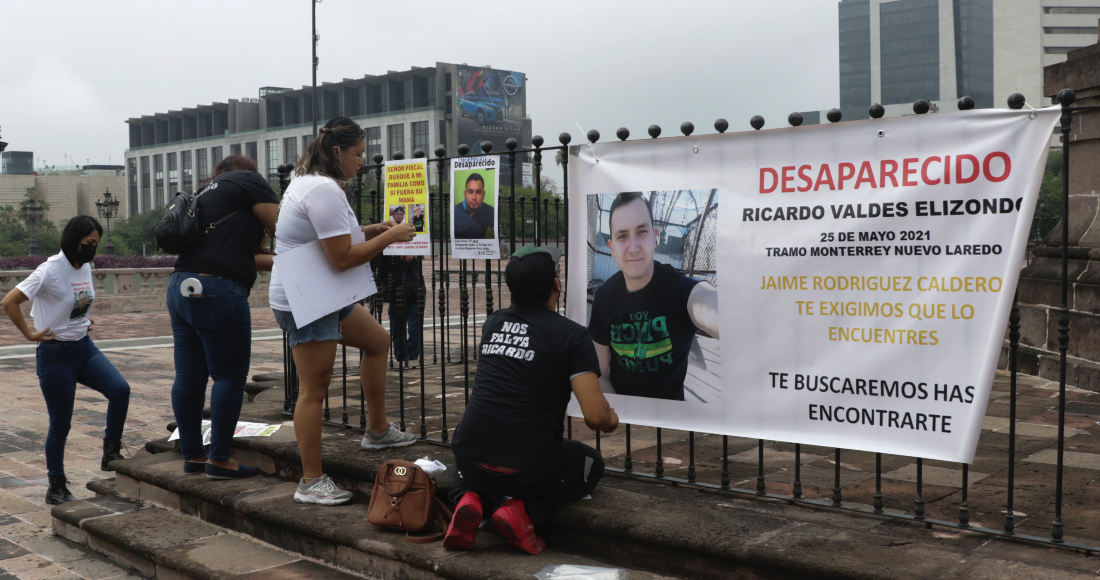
(326, 327)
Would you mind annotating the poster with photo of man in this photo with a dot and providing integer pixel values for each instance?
(653, 301)
(406, 186)
(474, 219)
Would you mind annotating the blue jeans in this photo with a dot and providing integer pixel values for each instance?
(60, 366)
(398, 334)
(213, 338)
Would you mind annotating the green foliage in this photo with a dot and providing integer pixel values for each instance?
(1049, 211)
(129, 235)
(15, 238)
(33, 195)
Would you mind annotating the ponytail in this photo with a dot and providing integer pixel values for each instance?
(339, 132)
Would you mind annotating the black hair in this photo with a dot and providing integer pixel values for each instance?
(625, 198)
(77, 229)
(339, 132)
(231, 163)
(475, 177)
(533, 293)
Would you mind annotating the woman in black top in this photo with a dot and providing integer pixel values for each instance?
(213, 327)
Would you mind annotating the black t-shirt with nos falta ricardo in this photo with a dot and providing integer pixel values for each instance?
(648, 332)
(516, 415)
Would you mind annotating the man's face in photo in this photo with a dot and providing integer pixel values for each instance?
(398, 215)
(633, 242)
(475, 194)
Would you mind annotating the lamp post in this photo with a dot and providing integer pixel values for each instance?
(32, 214)
(107, 209)
(313, 98)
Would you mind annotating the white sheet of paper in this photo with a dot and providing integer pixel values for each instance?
(315, 288)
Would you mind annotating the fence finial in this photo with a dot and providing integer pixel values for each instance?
(795, 119)
(757, 122)
(565, 138)
(511, 143)
(486, 147)
(1065, 97)
(654, 131)
(1016, 101)
(966, 103)
(418, 153)
(463, 149)
(834, 115)
(876, 111)
(537, 141)
(593, 136)
(623, 133)
(921, 106)
(687, 128)
(378, 159)
(398, 156)
(440, 151)
(721, 125)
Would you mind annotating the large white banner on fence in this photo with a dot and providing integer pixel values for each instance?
(840, 285)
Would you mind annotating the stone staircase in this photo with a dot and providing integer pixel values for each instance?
(180, 524)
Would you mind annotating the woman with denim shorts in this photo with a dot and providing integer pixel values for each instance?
(62, 291)
(211, 320)
(314, 208)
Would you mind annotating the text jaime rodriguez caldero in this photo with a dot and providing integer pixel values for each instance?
(936, 276)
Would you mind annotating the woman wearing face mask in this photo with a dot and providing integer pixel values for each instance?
(62, 291)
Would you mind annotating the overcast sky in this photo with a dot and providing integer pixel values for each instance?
(72, 72)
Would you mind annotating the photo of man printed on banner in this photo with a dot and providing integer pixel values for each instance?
(474, 214)
(652, 293)
(397, 214)
(417, 218)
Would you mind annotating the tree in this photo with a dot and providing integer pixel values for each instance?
(32, 196)
(132, 236)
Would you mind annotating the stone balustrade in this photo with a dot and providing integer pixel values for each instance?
(130, 289)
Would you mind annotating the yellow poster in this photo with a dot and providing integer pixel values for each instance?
(406, 184)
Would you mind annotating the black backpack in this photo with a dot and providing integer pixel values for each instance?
(178, 229)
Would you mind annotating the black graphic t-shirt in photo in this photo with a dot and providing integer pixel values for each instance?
(648, 332)
(229, 249)
(516, 414)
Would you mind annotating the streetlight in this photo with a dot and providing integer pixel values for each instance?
(313, 113)
(32, 214)
(107, 209)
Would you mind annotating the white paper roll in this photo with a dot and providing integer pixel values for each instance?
(191, 287)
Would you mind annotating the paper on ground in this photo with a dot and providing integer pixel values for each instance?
(243, 429)
(315, 288)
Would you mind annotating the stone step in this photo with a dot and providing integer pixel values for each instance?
(262, 507)
(167, 545)
(635, 523)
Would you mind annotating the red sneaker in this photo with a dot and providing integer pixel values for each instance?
(513, 522)
(462, 533)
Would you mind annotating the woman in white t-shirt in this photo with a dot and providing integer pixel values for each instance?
(62, 291)
(315, 207)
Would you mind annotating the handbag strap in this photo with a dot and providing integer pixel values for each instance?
(445, 520)
(407, 483)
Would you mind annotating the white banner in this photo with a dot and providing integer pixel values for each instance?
(840, 285)
(474, 219)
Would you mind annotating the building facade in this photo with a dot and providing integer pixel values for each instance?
(419, 108)
(17, 163)
(895, 52)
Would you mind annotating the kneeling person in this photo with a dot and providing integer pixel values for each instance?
(509, 443)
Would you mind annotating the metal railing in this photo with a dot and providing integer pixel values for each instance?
(454, 330)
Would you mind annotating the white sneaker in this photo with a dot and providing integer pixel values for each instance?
(392, 438)
(322, 492)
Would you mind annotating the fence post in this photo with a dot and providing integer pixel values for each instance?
(1065, 99)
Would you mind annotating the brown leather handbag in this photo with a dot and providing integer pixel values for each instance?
(404, 499)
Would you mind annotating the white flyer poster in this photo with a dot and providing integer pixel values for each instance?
(407, 202)
(840, 285)
(314, 287)
(474, 216)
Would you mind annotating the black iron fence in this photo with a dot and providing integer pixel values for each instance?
(541, 219)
